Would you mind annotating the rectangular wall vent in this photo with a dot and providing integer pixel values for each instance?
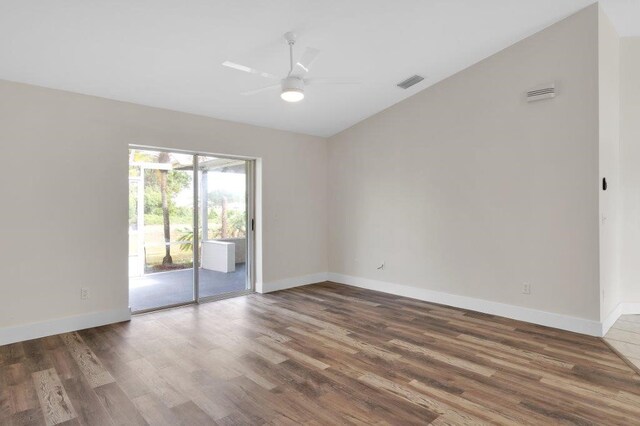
(545, 91)
(410, 81)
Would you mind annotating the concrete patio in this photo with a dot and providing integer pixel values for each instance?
(169, 288)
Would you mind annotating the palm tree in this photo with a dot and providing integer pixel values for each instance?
(163, 157)
(219, 199)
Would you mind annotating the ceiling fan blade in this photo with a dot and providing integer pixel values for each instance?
(306, 60)
(328, 81)
(250, 70)
(262, 89)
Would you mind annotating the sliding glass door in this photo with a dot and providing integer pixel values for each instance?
(223, 224)
(169, 263)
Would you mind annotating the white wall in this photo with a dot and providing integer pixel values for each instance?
(467, 189)
(64, 198)
(609, 164)
(630, 160)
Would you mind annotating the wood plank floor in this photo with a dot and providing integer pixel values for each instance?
(321, 354)
(624, 337)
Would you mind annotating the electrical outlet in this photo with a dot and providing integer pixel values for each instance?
(526, 288)
(84, 293)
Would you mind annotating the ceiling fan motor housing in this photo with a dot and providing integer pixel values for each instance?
(292, 84)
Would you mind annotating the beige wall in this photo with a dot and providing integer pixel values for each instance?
(466, 188)
(630, 137)
(63, 219)
(609, 164)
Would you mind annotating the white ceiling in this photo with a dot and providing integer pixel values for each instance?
(168, 53)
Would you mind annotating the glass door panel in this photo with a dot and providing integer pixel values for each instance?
(222, 219)
(161, 273)
(136, 268)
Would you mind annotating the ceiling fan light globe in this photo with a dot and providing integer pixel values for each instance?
(292, 95)
(292, 89)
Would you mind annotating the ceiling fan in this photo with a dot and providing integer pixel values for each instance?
(292, 86)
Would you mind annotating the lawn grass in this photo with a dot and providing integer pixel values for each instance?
(155, 246)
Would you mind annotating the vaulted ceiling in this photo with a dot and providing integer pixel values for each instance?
(168, 53)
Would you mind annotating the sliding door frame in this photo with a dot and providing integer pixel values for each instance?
(250, 184)
(196, 229)
(250, 231)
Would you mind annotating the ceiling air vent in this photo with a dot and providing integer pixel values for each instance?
(410, 81)
(545, 91)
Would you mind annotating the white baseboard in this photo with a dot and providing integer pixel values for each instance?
(286, 283)
(24, 332)
(35, 330)
(630, 308)
(611, 319)
(624, 308)
(549, 319)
